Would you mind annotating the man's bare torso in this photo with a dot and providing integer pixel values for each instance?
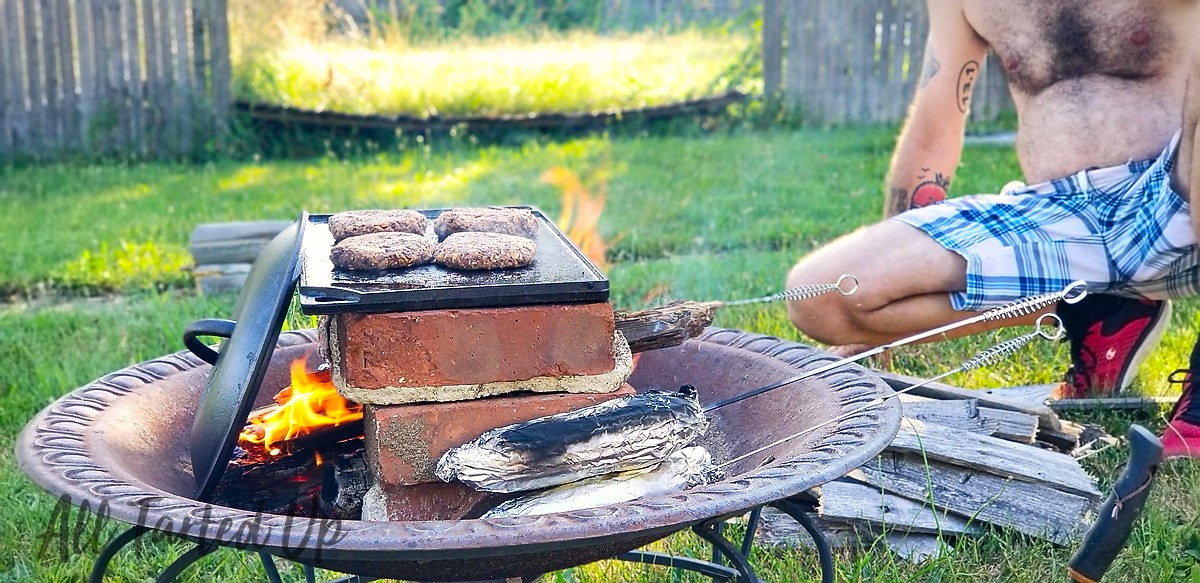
(1096, 82)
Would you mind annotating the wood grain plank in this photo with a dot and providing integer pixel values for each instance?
(8, 109)
(69, 108)
(854, 502)
(33, 78)
(182, 75)
(167, 105)
(772, 47)
(1046, 416)
(1010, 425)
(48, 46)
(131, 56)
(1033, 509)
(995, 456)
(221, 71)
(88, 80)
(152, 115)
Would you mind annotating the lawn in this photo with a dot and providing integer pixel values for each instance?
(718, 216)
(576, 72)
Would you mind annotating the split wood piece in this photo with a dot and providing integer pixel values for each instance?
(1010, 425)
(959, 414)
(1112, 403)
(1065, 439)
(1033, 509)
(779, 530)
(221, 277)
(854, 502)
(1046, 417)
(995, 456)
(665, 326)
(967, 415)
(1032, 394)
(234, 242)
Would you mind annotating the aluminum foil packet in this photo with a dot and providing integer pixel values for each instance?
(684, 469)
(629, 433)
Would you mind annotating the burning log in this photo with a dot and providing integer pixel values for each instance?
(301, 455)
(294, 482)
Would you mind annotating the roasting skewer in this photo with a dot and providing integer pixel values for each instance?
(984, 358)
(1023, 307)
(803, 292)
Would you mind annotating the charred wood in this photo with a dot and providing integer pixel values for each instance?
(665, 326)
(288, 483)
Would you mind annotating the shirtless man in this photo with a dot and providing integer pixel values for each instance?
(1099, 89)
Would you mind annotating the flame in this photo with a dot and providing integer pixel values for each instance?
(309, 403)
(581, 211)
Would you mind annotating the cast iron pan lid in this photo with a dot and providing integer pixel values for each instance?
(242, 362)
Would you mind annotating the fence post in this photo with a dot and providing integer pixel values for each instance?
(772, 47)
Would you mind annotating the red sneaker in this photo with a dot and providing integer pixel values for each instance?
(1181, 438)
(1110, 337)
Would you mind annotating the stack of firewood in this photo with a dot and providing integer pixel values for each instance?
(963, 461)
(223, 252)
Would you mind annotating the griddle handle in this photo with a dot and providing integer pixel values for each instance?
(217, 327)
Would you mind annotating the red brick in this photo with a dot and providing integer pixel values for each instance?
(436, 348)
(404, 442)
(440, 501)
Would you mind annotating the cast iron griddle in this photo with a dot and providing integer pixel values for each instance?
(559, 274)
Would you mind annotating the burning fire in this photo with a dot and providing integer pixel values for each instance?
(310, 403)
(581, 211)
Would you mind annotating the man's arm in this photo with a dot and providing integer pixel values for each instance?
(929, 147)
(1187, 179)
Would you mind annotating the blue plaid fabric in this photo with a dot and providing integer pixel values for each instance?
(1122, 229)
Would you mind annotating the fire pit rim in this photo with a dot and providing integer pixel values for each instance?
(51, 450)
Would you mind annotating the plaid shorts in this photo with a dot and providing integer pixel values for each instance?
(1122, 229)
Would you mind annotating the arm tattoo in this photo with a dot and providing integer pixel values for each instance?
(966, 81)
(931, 66)
(898, 201)
(927, 193)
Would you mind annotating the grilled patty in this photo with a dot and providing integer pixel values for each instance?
(355, 223)
(382, 251)
(509, 221)
(474, 250)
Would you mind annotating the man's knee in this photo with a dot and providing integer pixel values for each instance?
(826, 318)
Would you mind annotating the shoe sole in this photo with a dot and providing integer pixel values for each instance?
(1146, 344)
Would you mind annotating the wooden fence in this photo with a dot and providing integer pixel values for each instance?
(857, 62)
(126, 77)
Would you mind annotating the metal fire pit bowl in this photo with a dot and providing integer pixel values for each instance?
(123, 440)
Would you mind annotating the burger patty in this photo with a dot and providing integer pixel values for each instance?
(355, 223)
(382, 251)
(474, 250)
(509, 221)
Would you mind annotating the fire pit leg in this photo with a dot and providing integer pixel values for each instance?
(174, 570)
(100, 567)
(269, 566)
(711, 532)
(824, 554)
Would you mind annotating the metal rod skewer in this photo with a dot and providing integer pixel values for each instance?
(1070, 294)
(804, 292)
(989, 356)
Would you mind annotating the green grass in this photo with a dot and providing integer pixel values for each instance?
(573, 72)
(713, 217)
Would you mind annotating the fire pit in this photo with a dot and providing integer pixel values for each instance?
(123, 440)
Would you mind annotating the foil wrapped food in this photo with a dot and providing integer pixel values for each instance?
(628, 433)
(686, 468)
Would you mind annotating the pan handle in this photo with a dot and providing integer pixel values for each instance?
(217, 327)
